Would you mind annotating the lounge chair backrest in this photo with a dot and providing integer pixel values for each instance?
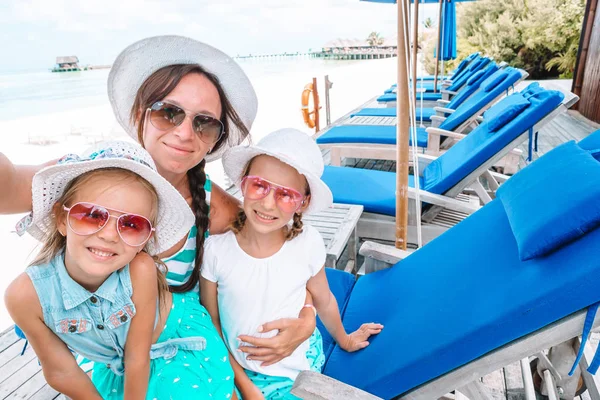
(461, 296)
(464, 63)
(491, 136)
(493, 86)
(460, 81)
(473, 83)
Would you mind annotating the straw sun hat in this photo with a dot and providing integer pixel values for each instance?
(140, 60)
(174, 220)
(292, 147)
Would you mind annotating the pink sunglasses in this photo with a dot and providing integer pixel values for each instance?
(287, 199)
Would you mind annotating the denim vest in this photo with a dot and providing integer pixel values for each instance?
(95, 325)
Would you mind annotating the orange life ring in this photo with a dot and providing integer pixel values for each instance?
(309, 116)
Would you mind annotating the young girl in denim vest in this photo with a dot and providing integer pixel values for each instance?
(95, 289)
(261, 270)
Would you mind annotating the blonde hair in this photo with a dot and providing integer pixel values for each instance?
(240, 221)
(55, 242)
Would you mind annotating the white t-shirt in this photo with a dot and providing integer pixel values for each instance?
(252, 291)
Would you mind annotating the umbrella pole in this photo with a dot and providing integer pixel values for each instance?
(402, 111)
(438, 49)
(415, 43)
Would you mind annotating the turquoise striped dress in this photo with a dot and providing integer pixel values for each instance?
(181, 264)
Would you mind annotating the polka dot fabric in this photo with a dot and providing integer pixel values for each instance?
(205, 374)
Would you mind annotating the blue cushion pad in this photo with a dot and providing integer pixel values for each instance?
(504, 111)
(458, 82)
(375, 190)
(553, 201)
(426, 96)
(459, 297)
(375, 134)
(471, 101)
(340, 284)
(427, 113)
(591, 141)
(480, 145)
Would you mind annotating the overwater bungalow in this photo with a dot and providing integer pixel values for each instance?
(67, 64)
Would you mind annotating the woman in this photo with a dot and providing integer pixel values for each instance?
(186, 103)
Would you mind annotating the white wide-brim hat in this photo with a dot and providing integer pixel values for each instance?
(140, 60)
(174, 219)
(292, 147)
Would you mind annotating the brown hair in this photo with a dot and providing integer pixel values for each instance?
(155, 88)
(295, 230)
(56, 242)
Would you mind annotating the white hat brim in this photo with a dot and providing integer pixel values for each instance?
(141, 59)
(237, 158)
(174, 217)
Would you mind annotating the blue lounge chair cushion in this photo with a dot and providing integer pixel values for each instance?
(494, 80)
(545, 218)
(375, 190)
(341, 284)
(387, 97)
(425, 113)
(481, 144)
(373, 134)
(475, 77)
(469, 100)
(591, 141)
(458, 298)
(510, 107)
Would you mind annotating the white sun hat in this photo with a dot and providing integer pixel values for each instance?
(292, 147)
(141, 59)
(174, 219)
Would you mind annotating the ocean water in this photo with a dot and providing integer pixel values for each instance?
(58, 107)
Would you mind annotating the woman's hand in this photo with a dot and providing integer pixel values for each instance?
(292, 332)
(358, 340)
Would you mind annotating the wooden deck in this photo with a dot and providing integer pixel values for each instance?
(21, 376)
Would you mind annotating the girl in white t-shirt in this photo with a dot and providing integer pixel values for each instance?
(261, 270)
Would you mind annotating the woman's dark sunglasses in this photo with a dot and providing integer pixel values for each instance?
(166, 116)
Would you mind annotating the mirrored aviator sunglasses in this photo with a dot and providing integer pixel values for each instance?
(88, 218)
(166, 116)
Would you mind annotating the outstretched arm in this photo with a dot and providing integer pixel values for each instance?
(58, 364)
(208, 291)
(15, 181)
(327, 307)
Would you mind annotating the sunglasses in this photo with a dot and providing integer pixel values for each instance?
(287, 199)
(88, 218)
(166, 116)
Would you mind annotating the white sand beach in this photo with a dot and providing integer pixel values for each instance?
(35, 139)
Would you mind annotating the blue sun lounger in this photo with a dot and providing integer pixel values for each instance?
(509, 281)
(477, 65)
(512, 120)
(353, 138)
(488, 84)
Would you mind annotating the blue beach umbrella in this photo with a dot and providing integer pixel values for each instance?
(448, 31)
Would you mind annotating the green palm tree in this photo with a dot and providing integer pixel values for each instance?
(428, 23)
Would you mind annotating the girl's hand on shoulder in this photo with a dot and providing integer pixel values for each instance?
(357, 340)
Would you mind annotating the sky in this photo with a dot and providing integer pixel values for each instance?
(34, 32)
